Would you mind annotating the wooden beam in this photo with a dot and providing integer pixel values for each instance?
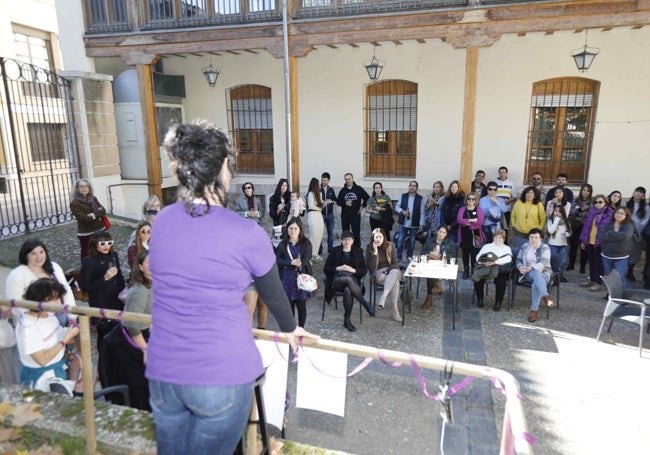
(250, 51)
(152, 151)
(397, 42)
(332, 46)
(421, 41)
(469, 115)
(353, 45)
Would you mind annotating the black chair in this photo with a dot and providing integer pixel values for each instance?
(553, 281)
(376, 287)
(339, 295)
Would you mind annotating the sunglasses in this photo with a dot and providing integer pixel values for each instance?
(248, 187)
(599, 202)
(145, 231)
(537, 180)
(471, 198)
(106, 243)
(492, 189)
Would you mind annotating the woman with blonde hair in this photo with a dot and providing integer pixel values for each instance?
(88, 211)
(381, 259)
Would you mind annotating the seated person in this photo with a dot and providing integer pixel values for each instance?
(534, 264)
(344, 267)
(40, 338)
(503, 254)
(435, 248)
(381, 257)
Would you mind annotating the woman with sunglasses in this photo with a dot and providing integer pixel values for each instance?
(101, 278)
(470, 220)
(493, 209)
(599, 215)
(248, 205)
(142, 236)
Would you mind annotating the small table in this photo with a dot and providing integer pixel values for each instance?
(436, 270)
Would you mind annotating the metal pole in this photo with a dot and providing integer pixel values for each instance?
(287, 93)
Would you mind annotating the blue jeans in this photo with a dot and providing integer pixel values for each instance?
(538, 288)
(199, 419)
(412, 233)
(558, 257)
(329, 226)
(620, 265)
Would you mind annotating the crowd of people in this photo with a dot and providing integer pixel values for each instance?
(492, 229)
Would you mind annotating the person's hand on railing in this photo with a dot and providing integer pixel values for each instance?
(70, 333)
(299, 332)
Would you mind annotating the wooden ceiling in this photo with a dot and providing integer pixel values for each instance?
(477, 27)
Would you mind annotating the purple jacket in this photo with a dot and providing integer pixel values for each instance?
(477, 227)
(602, 217)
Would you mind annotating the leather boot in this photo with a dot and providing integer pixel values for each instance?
(428, 301)
(466, 273)
(369, 309)
(348, 325)
(497, 306)
(630, 274)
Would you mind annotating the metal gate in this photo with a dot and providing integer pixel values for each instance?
(39, 157)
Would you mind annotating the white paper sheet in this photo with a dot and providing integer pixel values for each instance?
(318, 391)
(274, 389)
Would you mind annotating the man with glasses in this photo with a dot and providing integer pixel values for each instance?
(411, 219)
(536, 181)
(477, 185)
(328, 196)
(351, 199)
(562, 180)
(493, 210)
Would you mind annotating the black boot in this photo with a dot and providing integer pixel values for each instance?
(497, 306)
(466, 273)
(630, 274)
(369, 309)
(348, 325)
(479, 303)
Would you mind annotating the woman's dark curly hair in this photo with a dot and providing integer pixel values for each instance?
(28, 247)
(198, 150)
(535, 191)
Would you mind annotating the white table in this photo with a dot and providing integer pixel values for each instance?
(438, 271)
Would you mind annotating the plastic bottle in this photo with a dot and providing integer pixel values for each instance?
(444, 258)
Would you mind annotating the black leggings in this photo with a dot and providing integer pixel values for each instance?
(351, 290)
(302, 311)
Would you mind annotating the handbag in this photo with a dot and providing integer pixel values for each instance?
(477, 241)
(107, 222)
(304, 281)
(7, 334)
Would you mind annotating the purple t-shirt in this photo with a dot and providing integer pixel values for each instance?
(201, 266)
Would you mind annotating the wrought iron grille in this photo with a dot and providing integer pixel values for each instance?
(39, 158)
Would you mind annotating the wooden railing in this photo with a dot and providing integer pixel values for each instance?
(514, 436)
(115, 16)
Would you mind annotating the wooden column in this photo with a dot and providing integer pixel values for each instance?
(469, 115)
(294, 178)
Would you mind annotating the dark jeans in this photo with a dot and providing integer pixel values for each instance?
(500, 283)
(352, 223)
(574, 246)
(329, 226)
(596, 269)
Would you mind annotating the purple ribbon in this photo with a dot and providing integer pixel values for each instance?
(423, 385)
(130, 340)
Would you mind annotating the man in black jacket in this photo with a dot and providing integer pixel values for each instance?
(351, 199)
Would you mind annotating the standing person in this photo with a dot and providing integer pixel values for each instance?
(454, 199)
(615, 199)
(328, 196)
(559, 199)
(344, 269)
(493, 210)
(433, 208)
(506, 190)
(536, 181)
(411, 219)
(534, 264)
(128, 361)
(470, 220)
(477, 186)
(351, 199)
(293, 257)
(503, 255)
(88, 211)
(579, 211)
(562, 180)
(142, 237)
(279, 203)
(102, 279)
(381, 257)
(202, 361)
(380, 208)
(437, 246)
(248, 205)
(599, 215)
(315, 215)
(528, 213)
(559, 231)
(640, 215)
(616, 240)
(150, 209)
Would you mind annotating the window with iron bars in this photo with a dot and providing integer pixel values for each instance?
(561, 132)
(391, 129)
(250, 120)
(47, 141)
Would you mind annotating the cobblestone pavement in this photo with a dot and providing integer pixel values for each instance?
(577, 394)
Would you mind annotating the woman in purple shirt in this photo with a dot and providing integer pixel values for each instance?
(202, 361)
